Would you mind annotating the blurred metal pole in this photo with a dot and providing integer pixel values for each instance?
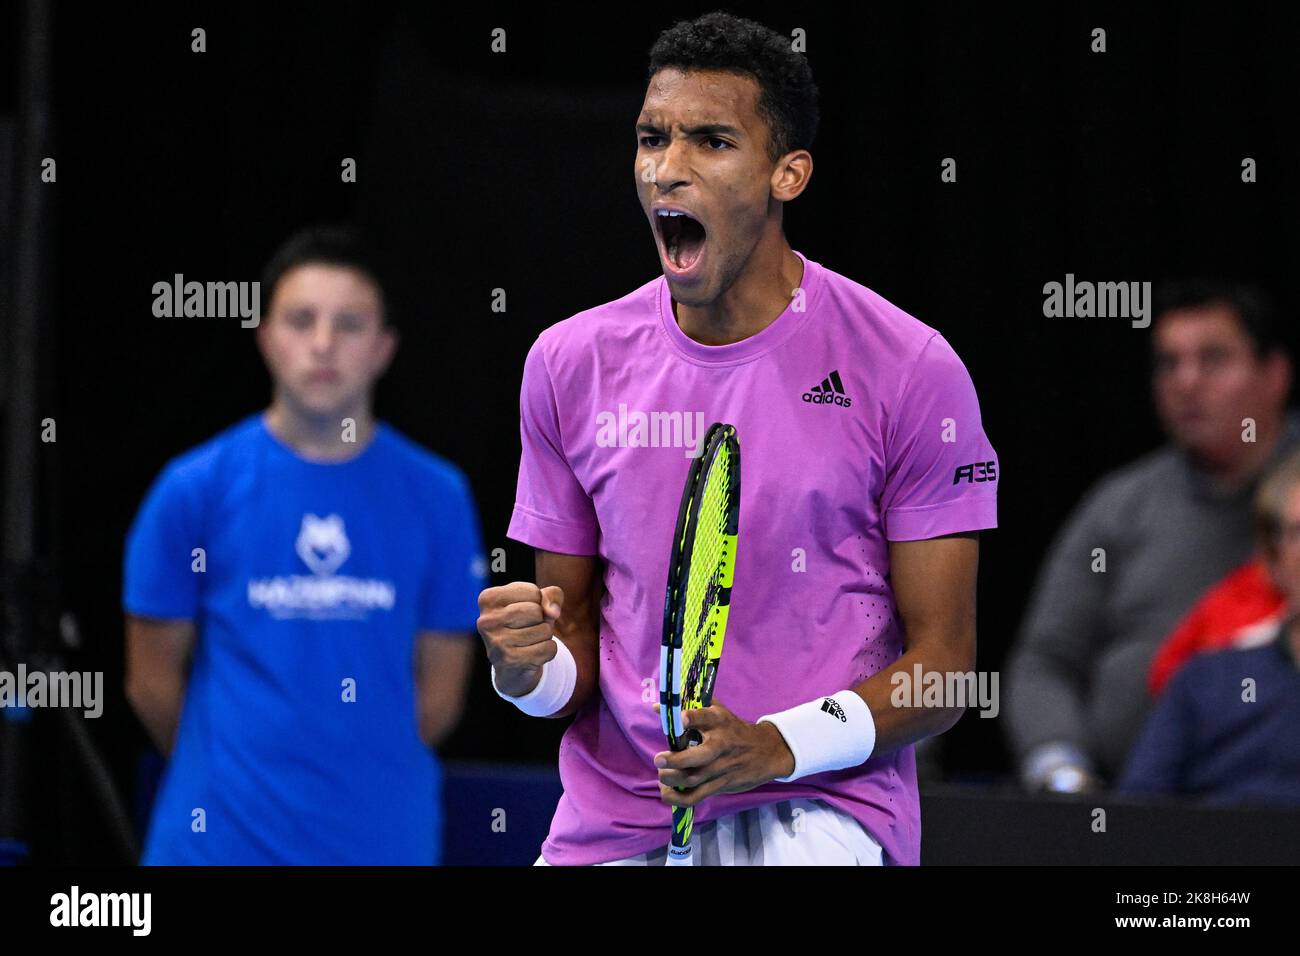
(11, 849)
(31, 610)
(29, 243)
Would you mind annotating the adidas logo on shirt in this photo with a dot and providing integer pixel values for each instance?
(829, 392)
(835, 710)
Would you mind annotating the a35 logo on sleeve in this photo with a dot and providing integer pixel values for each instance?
(976, 471)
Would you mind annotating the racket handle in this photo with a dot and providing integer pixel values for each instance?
(679, 850)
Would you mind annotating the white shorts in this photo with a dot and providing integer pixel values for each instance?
(793, 832)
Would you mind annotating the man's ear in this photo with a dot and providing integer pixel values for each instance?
(1281, 369)
(260, 334)
(391, 339)
(791, 175)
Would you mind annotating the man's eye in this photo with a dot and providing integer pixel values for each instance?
(645, 141)
(721, 142)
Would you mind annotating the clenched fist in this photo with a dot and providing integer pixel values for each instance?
(516, 622)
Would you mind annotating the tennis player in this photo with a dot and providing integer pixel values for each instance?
(299, 593)
(866, 477)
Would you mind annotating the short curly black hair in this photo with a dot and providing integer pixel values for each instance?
(721, 41)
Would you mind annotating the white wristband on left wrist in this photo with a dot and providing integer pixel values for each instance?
(553, 690)
(829, 733)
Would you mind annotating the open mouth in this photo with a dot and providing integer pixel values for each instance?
(682, 236)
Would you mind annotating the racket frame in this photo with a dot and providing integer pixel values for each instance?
(670, 700)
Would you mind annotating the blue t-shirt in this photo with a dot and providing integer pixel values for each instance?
(298, 740)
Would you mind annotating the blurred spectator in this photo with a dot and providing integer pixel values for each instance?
(1227, 729)
(1242, 610)
(1148, 539)
(300, 592)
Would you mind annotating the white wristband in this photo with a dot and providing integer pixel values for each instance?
(559, 676)
(829, 733)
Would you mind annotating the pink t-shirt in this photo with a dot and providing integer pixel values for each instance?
(858, 425)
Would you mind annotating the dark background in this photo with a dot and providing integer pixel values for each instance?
(514, 171)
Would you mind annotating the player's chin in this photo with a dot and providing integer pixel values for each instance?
(697, 294)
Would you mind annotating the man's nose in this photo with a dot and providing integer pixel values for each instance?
(322, 338)
(671, 170)
(1187, 375)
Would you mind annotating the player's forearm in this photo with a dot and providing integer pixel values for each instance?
(898, 721)
(583, 646)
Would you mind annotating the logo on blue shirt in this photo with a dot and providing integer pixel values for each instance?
(322, 543)
(323, 546)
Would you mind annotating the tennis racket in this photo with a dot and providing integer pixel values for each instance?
(697, 601)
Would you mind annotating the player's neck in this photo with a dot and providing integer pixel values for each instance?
(755, 300)
(324, 438)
